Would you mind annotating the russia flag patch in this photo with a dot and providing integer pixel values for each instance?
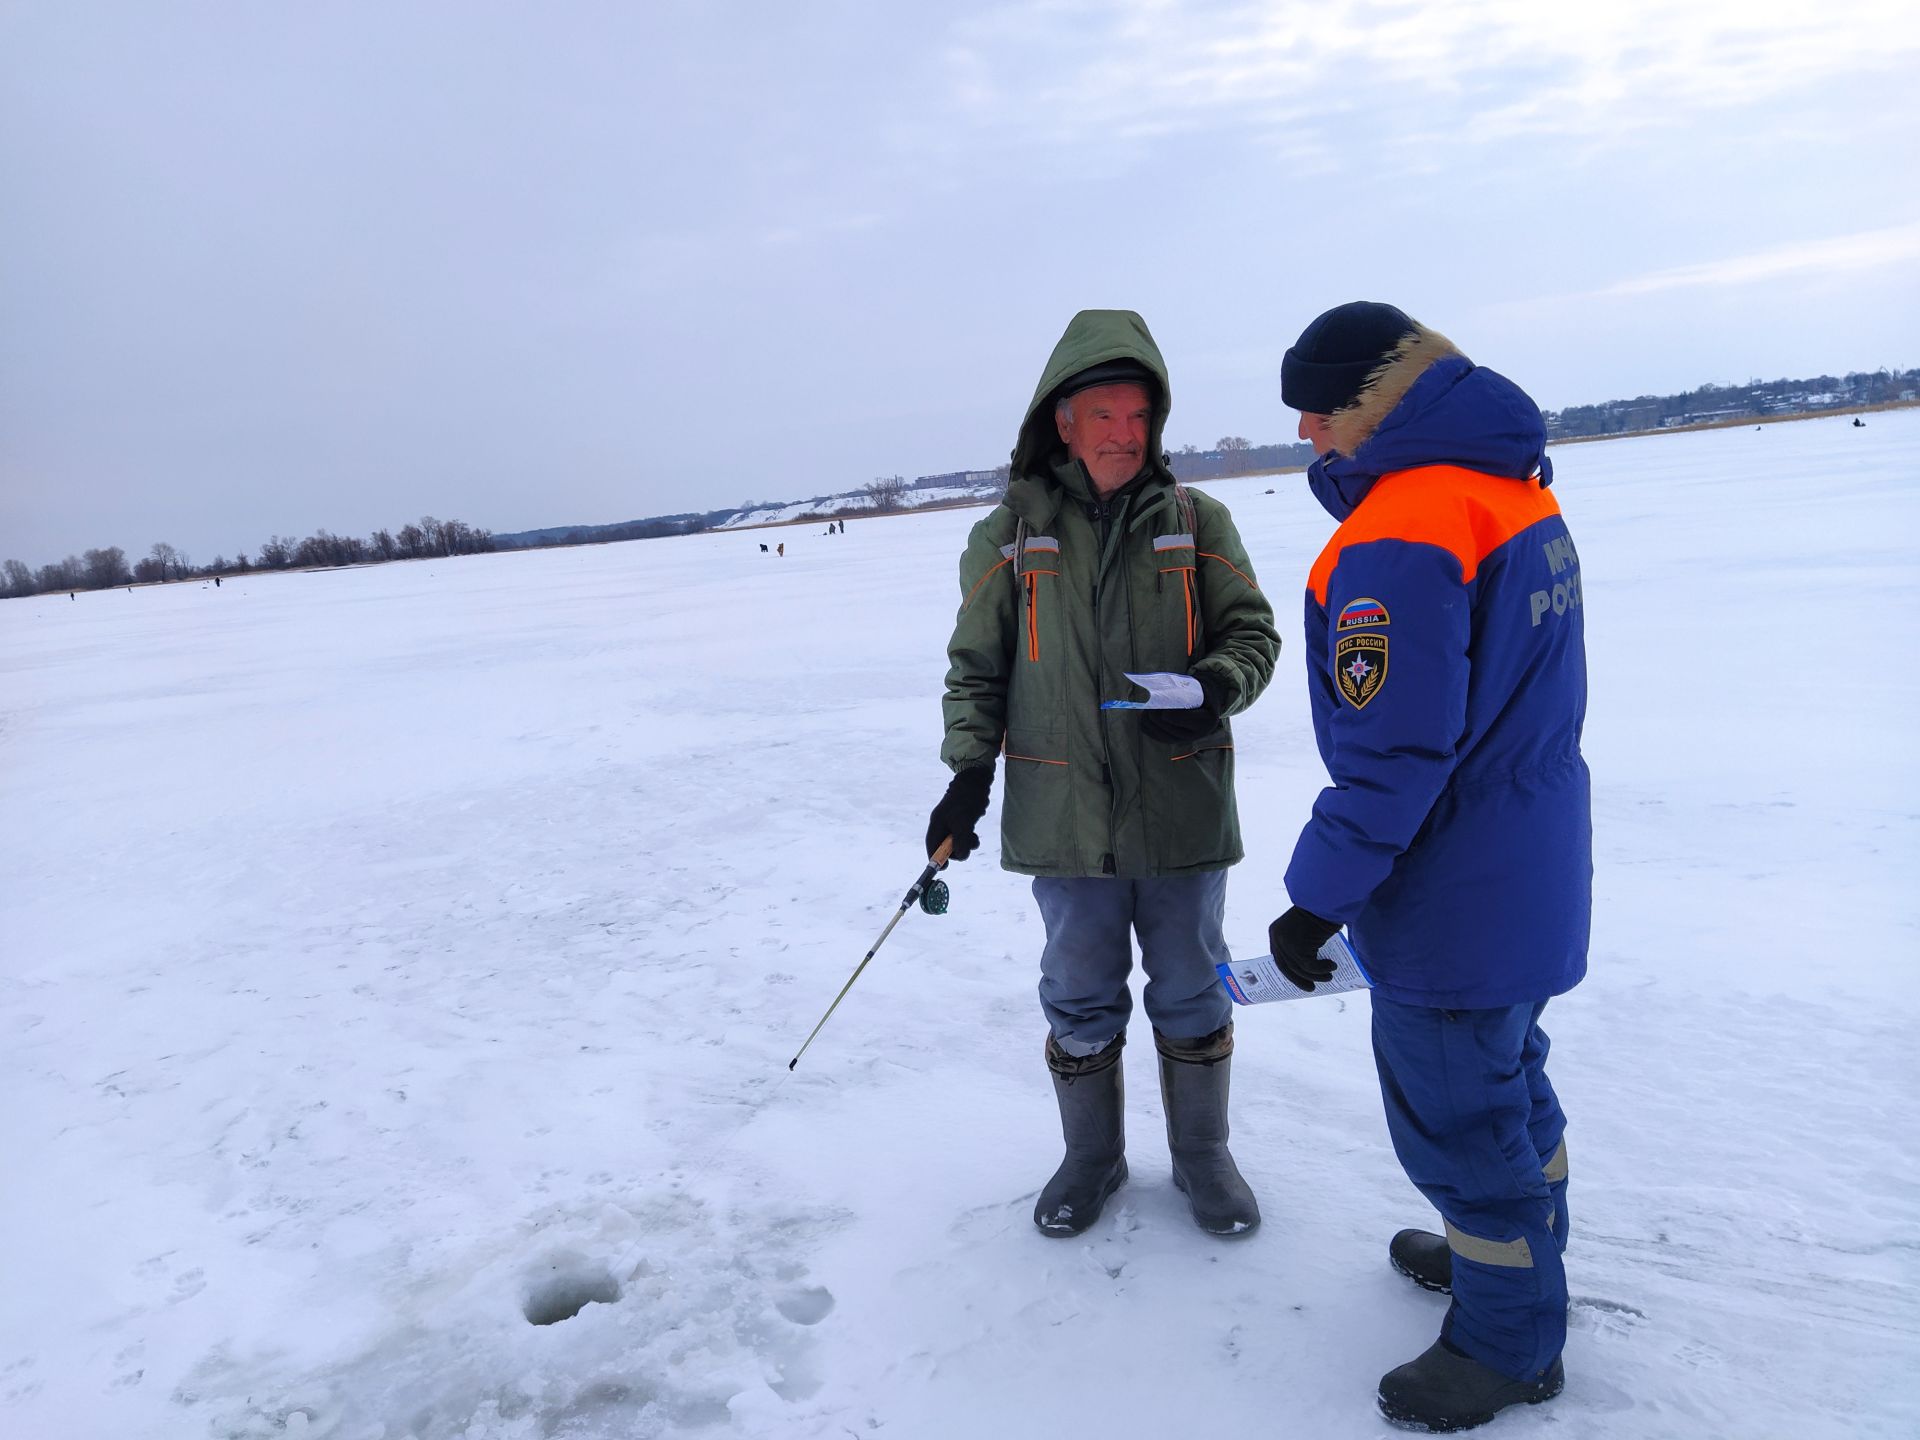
(1358, 613)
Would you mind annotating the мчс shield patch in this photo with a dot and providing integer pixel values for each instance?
(1360, 665)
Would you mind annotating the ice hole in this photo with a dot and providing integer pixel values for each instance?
(567, 1291)
(807, 1306)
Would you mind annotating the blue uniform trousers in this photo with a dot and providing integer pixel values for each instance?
(1479, 1130)
(1091, 923)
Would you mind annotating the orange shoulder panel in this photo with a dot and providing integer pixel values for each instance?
(1461, 511)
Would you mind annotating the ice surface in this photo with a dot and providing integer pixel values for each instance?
(394, 957)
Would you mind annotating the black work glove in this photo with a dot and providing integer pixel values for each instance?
(1182, 727)
(960, 810)
(1295, 939)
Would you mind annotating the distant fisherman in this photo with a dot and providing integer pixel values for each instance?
(1448, 683)
(1098, 562)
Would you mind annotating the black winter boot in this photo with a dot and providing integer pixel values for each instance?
(1424, 1258)
(1444, 1390)
(1092, 1099)
(1194, 1077)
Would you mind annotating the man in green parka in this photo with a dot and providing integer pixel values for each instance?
(1097, 564)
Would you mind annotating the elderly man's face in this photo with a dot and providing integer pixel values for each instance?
(1106, 428)
(1317, 430)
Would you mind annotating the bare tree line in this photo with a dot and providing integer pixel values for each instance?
(889, 493)
(103, 569)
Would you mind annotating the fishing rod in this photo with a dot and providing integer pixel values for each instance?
(930, 893)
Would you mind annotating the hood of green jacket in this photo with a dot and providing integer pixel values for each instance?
(1092, 337)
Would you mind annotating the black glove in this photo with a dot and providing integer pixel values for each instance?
(1295, 939)
(1182, 727)
(960, 810)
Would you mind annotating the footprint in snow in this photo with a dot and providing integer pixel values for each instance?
(1606, 1307)
(1604, 1317)
(1698, 1355)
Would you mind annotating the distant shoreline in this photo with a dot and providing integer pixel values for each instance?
(1738, 422)
(1837, 413)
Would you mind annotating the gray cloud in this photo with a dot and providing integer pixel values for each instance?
(275, 268)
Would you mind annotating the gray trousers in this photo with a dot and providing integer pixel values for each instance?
(1090, 927)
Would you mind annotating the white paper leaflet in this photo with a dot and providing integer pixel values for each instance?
(1256, 981)
(1165, 691)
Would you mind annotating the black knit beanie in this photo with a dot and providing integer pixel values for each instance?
(1110, 372)
(1331, 360)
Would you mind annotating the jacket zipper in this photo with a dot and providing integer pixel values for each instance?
(1102, 512)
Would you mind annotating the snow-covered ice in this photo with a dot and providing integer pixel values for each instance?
(397, 959)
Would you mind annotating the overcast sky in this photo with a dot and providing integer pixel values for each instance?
(273, 267)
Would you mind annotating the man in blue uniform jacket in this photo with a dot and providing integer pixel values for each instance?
(1447, 673)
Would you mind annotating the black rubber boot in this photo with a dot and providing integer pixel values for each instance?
(1194, 1076)
(1444, 1391)
(1092, 1098)
(1424, 1258)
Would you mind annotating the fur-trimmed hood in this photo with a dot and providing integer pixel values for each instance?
(1428, 404)
(1352, 426)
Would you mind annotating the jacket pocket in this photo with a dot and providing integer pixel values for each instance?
(1176, 589)
(1038, 578)
(1195, 820)
(1036, 821)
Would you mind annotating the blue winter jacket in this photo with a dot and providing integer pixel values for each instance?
(1447, 672)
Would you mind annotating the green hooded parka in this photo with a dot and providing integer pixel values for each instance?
(1097, 589)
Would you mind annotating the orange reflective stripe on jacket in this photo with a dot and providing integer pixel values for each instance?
(1209, 555)
(965, 604)
(1461, 511)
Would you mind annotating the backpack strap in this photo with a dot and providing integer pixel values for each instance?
(1184, 501)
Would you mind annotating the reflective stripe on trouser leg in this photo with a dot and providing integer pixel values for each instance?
(1555, 1171)
(1547, 1124)
(1516, 1254)
(1460, 1108)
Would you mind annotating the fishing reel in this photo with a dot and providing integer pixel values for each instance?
(934, 897)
